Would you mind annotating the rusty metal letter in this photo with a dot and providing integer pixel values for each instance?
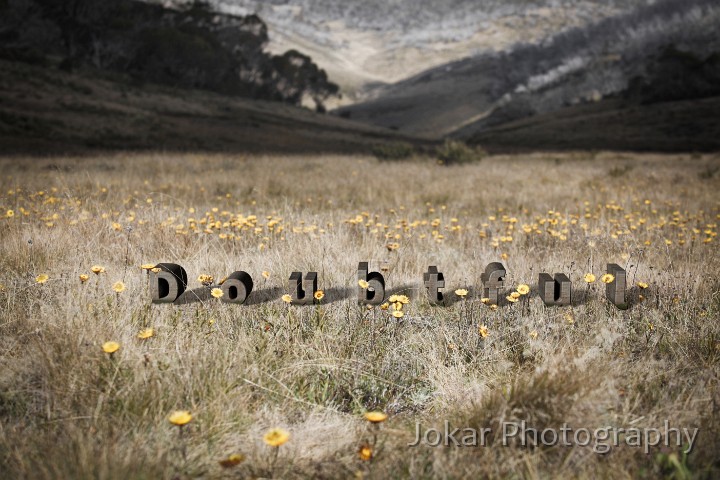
(237, 287)
(434, 281)
(615, 290)
(555, 291)
(301, 290)
(493, 280)
(167, 284)
(375, 293)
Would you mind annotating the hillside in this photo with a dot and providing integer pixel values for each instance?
(612, 124)
(667, 51)
(365, 44)
(190, 46)
(49, 111)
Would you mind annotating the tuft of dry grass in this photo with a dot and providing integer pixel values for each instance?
(68, 409)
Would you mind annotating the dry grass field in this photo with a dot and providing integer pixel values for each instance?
(70, 410)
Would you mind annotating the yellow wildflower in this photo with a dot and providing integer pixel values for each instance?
(365, 452)
(400, 299)
(146, 333)
(276, 437)
(375, 417)
(180, 417)
(461, 292)
(232, 460)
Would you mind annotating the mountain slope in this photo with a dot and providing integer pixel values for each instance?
(613, 124)
(191, 46)
(366, 43)
(49, 111)
(584, 65)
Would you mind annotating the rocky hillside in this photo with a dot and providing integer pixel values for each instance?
(666, 51)
(364, 43)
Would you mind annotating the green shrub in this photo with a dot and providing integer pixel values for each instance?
(455, 152)
(393, 151)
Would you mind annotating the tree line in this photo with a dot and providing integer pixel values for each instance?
(189, 47)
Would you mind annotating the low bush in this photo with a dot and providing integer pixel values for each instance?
(393, 151)
(455, 152)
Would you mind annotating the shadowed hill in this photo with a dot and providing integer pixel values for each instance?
(612, 124)
(190, 46)
(54, 112)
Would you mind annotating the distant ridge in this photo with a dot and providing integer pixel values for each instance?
(51, 112)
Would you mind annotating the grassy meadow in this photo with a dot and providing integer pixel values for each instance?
(70, 410)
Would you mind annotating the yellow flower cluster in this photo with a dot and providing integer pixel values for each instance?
(395, 304)
(638, 220)
(634, 222)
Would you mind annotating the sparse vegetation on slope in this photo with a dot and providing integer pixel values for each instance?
(189, 47)
(664, 51)
(48, 111)
(453, 152)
